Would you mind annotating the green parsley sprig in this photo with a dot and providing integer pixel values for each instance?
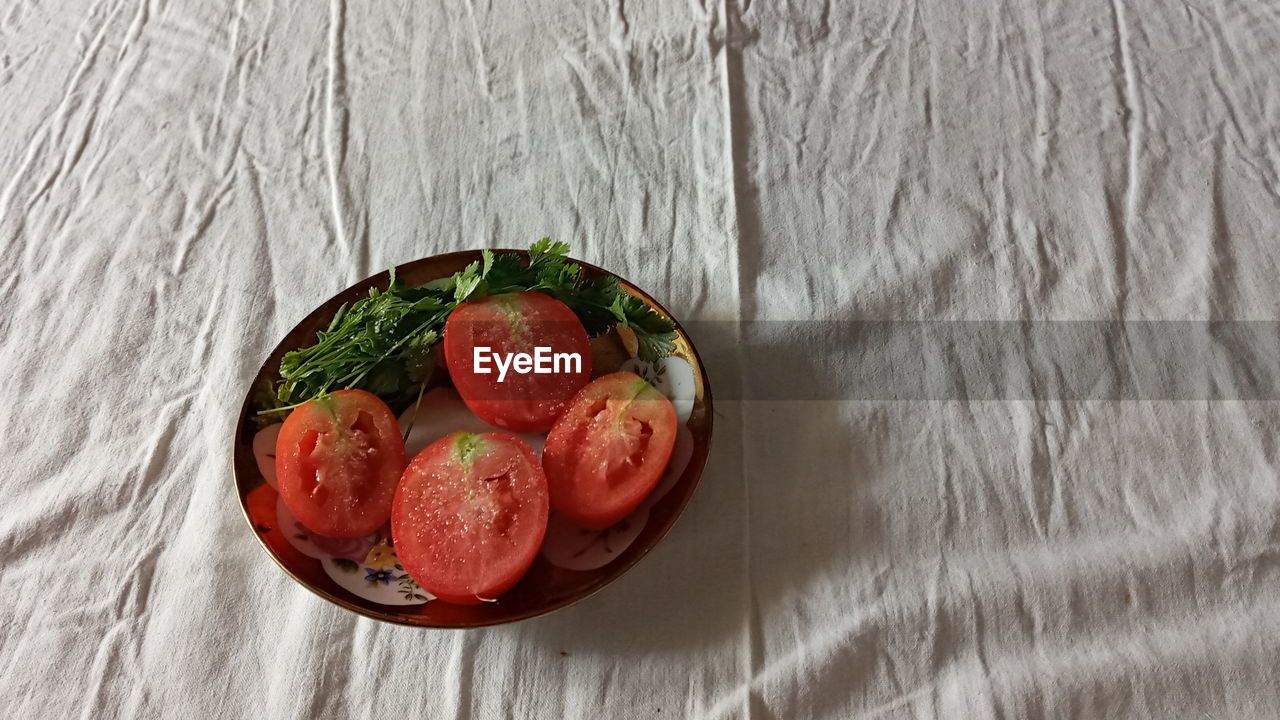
(385, 343)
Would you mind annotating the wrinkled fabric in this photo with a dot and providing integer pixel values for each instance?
(181, 182)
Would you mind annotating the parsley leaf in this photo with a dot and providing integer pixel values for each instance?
(387, 342)
(655, 333)
(592, 300)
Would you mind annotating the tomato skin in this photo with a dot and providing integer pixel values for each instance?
(469, 515)
(608, 450)
(338, 459)
(507, 324)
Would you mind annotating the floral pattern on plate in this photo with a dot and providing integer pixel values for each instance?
(385, 586)
(367, 568)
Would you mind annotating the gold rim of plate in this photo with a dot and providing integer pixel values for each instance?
(574, 585)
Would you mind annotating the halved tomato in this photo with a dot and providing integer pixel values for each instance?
(338, 459)
(515, 337)
(608, 450)
(469, 515)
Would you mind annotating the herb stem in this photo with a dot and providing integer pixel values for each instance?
(347, 352)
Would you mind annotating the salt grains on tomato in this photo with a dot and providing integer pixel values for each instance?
(338, 458)
(469, 515)
(608, 450)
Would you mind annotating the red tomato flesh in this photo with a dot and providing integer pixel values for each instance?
(509, 325)
(469, 515)
(338, 459)
(609, 449)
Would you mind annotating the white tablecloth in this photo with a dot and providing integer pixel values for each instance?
(180, 182)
